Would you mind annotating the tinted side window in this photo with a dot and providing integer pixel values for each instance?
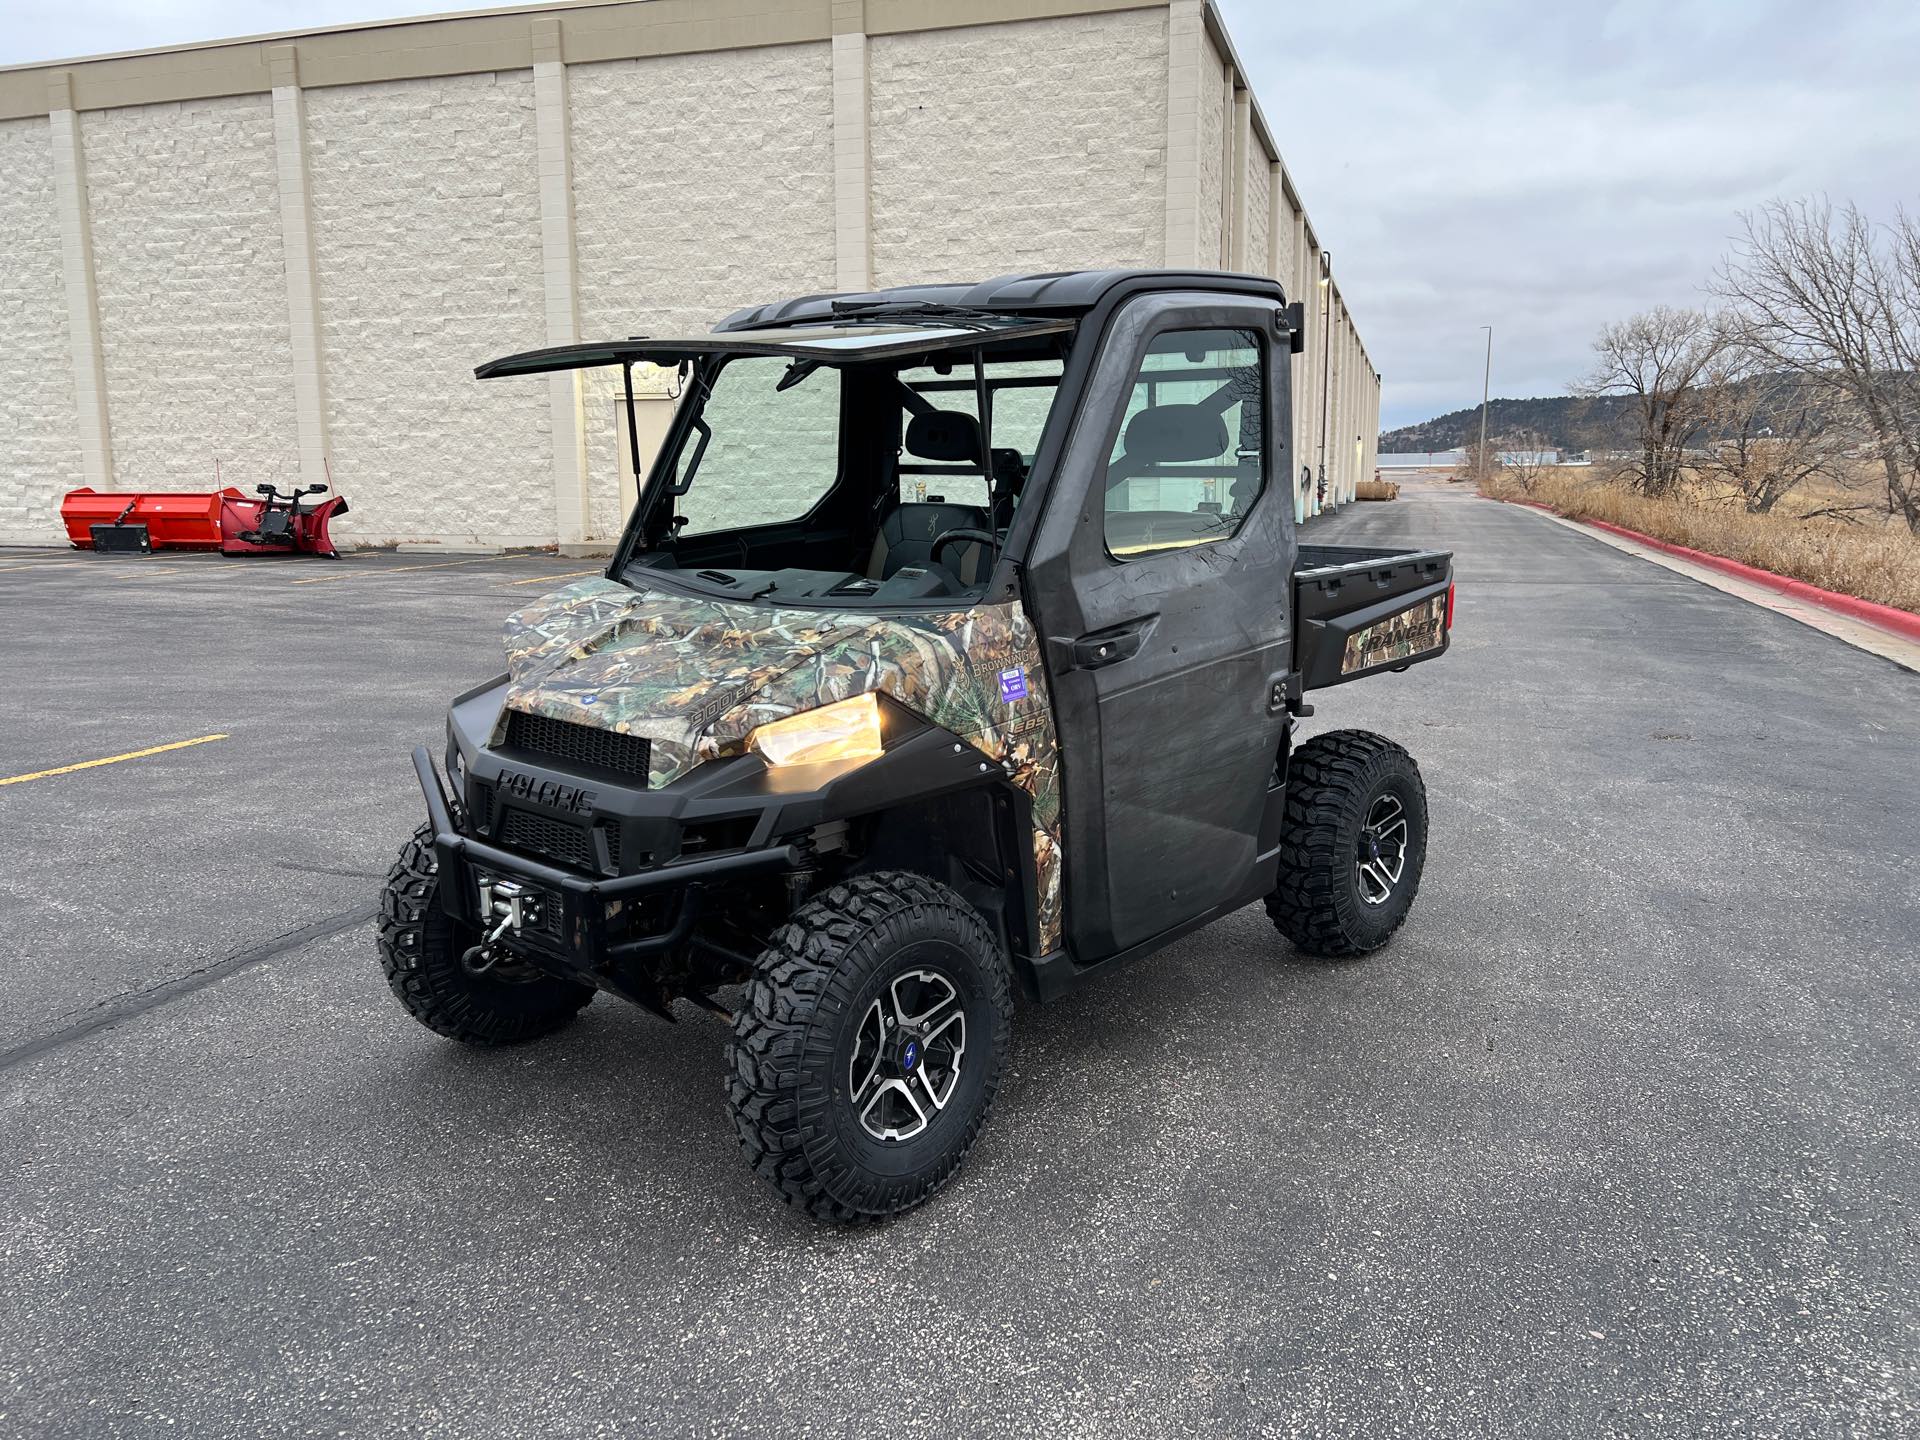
(1191, 456)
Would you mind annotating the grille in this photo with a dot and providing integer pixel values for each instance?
(556, 840)
(580, 744)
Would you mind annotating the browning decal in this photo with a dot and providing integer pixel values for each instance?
(696, 676)
(1413, 631)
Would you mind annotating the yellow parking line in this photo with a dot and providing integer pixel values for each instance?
(111, 759)
(397, 569)
(142, 565)
(548, 579)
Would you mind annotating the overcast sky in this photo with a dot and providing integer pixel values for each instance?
(1539, 167)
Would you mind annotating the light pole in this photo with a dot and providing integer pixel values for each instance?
(1486, 385)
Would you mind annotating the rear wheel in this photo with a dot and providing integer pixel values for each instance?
(421, 950)
(1354, 846)
(870, 1046)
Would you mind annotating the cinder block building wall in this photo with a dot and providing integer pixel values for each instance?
(279, 258)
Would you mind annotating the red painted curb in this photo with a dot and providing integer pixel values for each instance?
(1901, 622)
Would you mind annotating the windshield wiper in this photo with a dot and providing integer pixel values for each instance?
(967, 317)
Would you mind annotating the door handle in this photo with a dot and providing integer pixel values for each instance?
(1106, 647)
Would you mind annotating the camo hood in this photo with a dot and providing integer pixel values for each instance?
(695, 676)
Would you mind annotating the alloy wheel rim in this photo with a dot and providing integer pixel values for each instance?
(907, 1055)
(1381, 855)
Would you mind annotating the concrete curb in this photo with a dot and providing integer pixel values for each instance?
(1901, 622)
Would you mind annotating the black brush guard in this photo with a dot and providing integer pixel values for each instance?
(579, 944)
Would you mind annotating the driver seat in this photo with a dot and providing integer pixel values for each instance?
(906, 538)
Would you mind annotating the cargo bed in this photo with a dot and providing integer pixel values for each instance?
(1359, 609)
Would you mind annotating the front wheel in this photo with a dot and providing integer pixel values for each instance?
(421, 952)
(869, 1047)
(1354, 846)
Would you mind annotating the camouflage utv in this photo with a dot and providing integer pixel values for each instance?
(957, 639)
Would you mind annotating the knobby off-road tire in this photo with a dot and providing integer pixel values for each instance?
(810, 1075)
(421, 955)
(1345, 790)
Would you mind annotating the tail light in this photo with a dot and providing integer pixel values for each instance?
(1449, 608)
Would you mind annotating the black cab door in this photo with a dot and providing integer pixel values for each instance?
(1160, 573)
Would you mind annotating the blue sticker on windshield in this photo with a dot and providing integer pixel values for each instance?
(1013, 684)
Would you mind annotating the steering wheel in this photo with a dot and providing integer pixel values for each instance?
(955, 536)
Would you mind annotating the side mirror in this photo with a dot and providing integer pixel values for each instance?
(316, 489)
(263, 489)
(1296, 315)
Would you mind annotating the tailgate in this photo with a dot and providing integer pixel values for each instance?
(1358, 610)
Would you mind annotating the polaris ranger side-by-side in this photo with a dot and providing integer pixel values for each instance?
(957, 637)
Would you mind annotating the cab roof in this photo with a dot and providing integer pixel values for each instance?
(903, 321)
(1054, 293)
(852, 340)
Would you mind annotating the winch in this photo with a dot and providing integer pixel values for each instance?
(506, 908)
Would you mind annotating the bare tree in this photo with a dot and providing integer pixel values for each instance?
(1523, 458)
(1770, 432)
(1659, 358)
(1828, 294)
(1477, 462)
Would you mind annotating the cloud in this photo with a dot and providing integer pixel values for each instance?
(1540, 168)
(1545, 169)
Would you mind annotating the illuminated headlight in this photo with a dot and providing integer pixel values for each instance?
(844, 730)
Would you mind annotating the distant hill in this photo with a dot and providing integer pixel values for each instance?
(1564, 422)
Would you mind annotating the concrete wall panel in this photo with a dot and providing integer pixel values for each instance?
(39, 439)
(1214, 104)
(1258, 201)
(701, 183)
(183, 203)
(1036, 146)
(426, 222)
(1282, 236)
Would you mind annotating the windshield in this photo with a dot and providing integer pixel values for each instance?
(770, 454)
(802, 477)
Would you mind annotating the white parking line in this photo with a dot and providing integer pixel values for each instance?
(395, 569)
(549, 579)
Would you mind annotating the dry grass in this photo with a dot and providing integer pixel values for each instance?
(1871, 562)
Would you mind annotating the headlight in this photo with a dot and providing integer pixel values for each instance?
(844, 730)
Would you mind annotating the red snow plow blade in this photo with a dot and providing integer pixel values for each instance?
(173, 520)
(223, 520)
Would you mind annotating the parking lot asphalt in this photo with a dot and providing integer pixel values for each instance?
(1616, 1138)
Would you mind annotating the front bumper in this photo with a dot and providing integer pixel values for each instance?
(637, 880)
(578, 925)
